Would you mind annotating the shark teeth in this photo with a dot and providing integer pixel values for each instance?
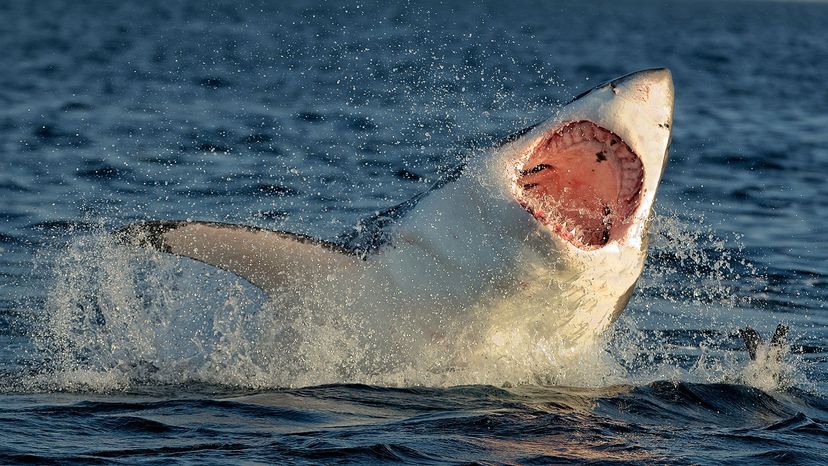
(584, 182)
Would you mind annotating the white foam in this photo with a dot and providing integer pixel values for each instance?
(118, 316)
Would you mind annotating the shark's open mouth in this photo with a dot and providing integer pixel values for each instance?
(584, 182)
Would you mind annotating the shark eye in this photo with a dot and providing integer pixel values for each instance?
(583, 181)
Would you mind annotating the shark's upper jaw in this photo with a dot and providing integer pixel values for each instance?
(584, 182)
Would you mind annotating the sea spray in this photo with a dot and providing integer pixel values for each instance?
(116, 316)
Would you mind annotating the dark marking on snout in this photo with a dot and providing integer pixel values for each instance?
(613, 84)
(613, 142)
(529, 185)
(600, 156)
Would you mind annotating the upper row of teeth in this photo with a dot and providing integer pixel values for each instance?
(628, 163)
(580, 132)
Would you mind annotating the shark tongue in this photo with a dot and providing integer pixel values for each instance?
(584, 182)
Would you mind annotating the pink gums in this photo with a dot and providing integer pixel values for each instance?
(584, 182)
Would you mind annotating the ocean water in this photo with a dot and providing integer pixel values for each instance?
(309, 116)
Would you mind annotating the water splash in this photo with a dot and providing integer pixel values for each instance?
(695, 294)
(116, 317)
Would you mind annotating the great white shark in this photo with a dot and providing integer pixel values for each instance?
(544, 236)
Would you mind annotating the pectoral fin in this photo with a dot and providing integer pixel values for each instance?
(266, 258)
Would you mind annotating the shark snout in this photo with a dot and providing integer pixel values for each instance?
(653, 89)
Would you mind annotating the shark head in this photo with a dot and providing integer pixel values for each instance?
(580, 188)
(590, 173)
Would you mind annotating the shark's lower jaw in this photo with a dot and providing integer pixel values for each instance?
(584, 182)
